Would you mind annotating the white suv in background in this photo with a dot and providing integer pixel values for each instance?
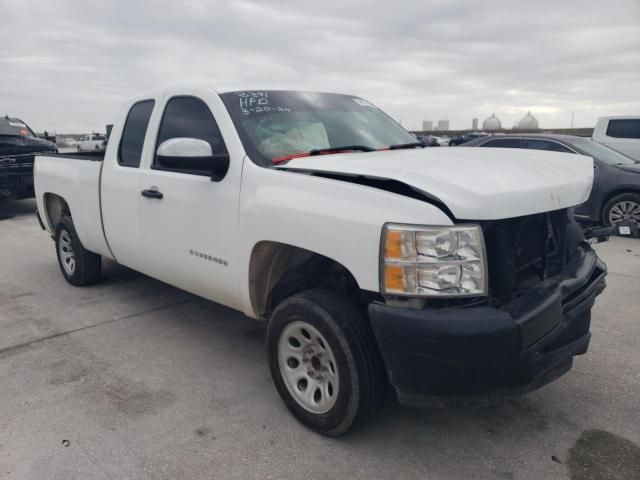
(92, 143)
(621, 133)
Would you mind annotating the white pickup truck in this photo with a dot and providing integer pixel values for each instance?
(444, 273)
(621, 133)
(92, 143)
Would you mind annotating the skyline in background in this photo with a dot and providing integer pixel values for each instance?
(71, 64)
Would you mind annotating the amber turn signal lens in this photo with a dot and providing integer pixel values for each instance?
(393, 245)
(394, 278)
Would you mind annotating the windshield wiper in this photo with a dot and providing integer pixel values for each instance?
(401, 146)
(348, 148)
(323, 151)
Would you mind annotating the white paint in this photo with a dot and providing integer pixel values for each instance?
(184, 147)
(627, 146)
(474, 183)
(200, 236)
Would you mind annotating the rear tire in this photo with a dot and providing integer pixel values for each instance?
(78, 265)
(324, 361)
(626, 204)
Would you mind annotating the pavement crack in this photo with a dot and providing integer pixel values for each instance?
(20, 346)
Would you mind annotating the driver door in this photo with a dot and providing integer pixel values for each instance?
(188, 222)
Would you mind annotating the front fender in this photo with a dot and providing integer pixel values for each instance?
(340, 220)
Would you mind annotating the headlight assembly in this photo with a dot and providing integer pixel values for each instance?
(433, 261)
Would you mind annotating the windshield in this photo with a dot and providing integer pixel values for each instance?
(277, 124)
(602, 152)
(14, 126)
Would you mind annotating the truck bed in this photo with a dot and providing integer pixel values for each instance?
(75, 178)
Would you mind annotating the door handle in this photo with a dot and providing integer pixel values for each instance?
(152, 192)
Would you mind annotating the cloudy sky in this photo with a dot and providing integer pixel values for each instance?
(67, 65)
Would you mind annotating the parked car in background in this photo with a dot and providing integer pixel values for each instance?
(615, 195)
(466, 137)
(620, 133)
(67, 142)
(92, 143)
(443, 141)
(18, 143)
(448, 272)
(428, 140)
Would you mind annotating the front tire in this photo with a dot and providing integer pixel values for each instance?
(621, 208)
(78, 265)
(324, 361)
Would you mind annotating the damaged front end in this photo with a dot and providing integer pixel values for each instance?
(543, 280)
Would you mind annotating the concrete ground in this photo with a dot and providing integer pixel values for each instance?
(133, 379)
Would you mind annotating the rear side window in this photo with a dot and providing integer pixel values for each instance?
(538, 144)
(503, 143)
(135, 129)
(624, 128)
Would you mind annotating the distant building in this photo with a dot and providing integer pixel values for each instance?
(474, 124)
(492, 123)
(528, 122)
(443, 124)
(427, 125)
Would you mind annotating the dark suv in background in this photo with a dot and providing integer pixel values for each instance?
(18, 144)
(615, 195)
(466, 137)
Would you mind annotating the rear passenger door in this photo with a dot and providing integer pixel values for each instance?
(189, 228)
(120, 186)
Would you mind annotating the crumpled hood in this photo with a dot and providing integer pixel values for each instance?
(474, 183)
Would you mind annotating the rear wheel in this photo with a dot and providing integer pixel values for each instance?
(622, 208)
(78, 265)
(325, 362)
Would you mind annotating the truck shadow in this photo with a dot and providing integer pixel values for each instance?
(222, 329)
(208, 335)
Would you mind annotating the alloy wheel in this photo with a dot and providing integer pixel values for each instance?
(624, 210)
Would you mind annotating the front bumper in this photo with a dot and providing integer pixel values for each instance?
(482, 352)
(16, 182)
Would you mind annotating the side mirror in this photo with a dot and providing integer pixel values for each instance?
(191, 155)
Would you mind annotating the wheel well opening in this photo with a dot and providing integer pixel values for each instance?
(277, 271)
(56, 207)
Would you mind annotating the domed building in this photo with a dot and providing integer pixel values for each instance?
(528, 122)
(492, 123)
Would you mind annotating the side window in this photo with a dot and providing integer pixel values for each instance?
(188, 117)
(135, 129)
(538, 144)
(624, 128)
(503, 143)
